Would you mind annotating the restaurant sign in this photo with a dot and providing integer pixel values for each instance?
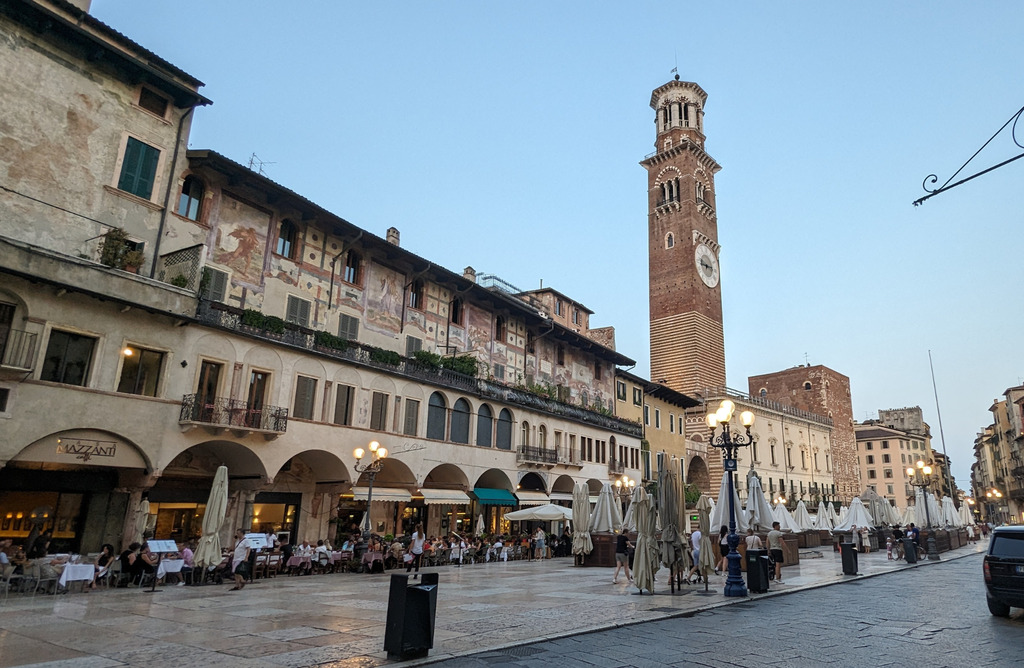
(85, 448)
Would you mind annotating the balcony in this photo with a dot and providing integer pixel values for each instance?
(616, 468)
(528, 454)
(227, 317)
(234, 414)
(19, 350)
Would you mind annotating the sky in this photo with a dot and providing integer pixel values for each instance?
(507, 137)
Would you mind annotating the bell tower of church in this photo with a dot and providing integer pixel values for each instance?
(687, 342)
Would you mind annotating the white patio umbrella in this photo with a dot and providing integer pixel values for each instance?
(758, 508)
(910, 516)
(857, 515)
(628, 521)
(785, 520)
(824, 518)
(581, 543)
(833, 517)
(646, 557)
(720, 512)
(606, 516)
(480, 528)
(965, 515)
(802, 518)
(934, 510)
(546, 513)
(141, 522)
(949, 514)
(208, 551)
(893, 514)
(843, 512)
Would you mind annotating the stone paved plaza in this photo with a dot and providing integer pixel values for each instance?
(339, 619)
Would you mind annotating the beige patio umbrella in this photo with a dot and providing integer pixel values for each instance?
(645, 559)
(141, 521)
(208, 551)
(581, 543)
(706, 561)
(668, 509)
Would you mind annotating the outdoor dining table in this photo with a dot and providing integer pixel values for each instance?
(298, 560)
(169, 566)
(342, 555)
(76, 572)
(370, 557)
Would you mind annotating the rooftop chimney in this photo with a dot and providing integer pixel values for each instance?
(393, 236)
(469, 273)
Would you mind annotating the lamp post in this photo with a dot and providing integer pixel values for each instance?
(993, 496)
(921, 478)
(624, 490)
(377, 456)
(730, 443)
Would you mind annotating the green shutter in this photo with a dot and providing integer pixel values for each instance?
(138, 169)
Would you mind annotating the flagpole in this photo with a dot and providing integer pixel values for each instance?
(942, 436)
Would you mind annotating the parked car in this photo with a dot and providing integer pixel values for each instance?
(1004, 570)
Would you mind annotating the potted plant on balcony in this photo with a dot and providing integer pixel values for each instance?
(118, 251)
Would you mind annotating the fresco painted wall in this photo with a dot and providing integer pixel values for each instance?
(241, 240)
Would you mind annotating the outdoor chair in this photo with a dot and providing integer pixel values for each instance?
(260, 568)
(322, 563)
(505, 553)
(273, 564)
(10, 582)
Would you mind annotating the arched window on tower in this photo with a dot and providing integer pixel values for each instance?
(670, 240)
(686, 115)
(699, 191)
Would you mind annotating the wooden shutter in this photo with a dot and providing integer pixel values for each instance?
(216, 284)
(379, 412)
(343, 405)
(412, 412)
(412, 344)
(298, 311)
(348, 328)
(305, 392)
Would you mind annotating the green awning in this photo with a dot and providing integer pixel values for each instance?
(494, 497)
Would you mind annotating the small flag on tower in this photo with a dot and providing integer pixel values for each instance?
(674, 70)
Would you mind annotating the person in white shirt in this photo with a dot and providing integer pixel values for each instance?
(416, 550)
(753, 540)
(495, 551)
(238, 557)
(305, 550)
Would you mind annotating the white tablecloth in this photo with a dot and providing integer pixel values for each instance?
(169, 566)
(76, 572)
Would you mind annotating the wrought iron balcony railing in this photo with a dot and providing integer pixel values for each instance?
(233, 414)
(616, 467)
(19, 349)
(536, 455)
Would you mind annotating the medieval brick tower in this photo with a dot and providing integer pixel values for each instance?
(687, 343)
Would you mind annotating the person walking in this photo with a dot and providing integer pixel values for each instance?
(695, 541)
(240, 556)
(723, 550)
(753, 540)
(539, 539)
(622, 546)
(416, 550)
(775, 549)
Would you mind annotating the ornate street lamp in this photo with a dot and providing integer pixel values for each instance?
(921, 478)
(730, 442)
(993, 496)
(624, 490)
(377, 456)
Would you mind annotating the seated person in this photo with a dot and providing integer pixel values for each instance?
(103, 562)
(128, 558)
(304, 550)
(350, 544)
(143, 564)
(322, 548)
(6, 568)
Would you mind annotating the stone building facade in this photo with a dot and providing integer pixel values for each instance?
(825, 392)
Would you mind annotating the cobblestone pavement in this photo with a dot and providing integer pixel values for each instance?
(338, 619)
(928, 616)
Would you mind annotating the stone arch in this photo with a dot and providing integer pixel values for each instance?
(394, 473)
(697, 474)
(563, 484)
(84, 448)
(532, 482)
(595, 486)
(494, 479)
(446, 476)
(202, 459)
(319, 466)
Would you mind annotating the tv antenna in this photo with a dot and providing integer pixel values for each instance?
(256, 164)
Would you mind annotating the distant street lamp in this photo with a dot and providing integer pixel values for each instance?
(377, 456)
(993, 496)
(624, 490)
(730, 444)
(921, 478)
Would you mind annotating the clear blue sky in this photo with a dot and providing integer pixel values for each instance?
(507, 137)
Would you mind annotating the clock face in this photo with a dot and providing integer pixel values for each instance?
(707, 265)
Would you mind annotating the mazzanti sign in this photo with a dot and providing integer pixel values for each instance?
(85, 449)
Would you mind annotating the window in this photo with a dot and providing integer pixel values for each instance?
(499, 371)
(214, 284)
(500, 329)
(763, 392)
(140, 371)
(504, 435)
(379, 412)
(872, 474)
(828, 462)
(353, 268)
(657, 418)
(885, 445)
(597, 370)
(868, 445)
(774, 461)
(437, 416)
(209, 382)
(68, 357)
(458, 313)
(647, 415)
(816, 468)
(348, 327)
(542, 437)
(887, 473)
(460, 422)
(286, 240)
(558, 307)
(670, 241)
(138, 168)
(620, 390)
(191, 198)
(671, 423)
(638, 396)
(560, 355)
(305, 394)
(807, 385)
(871, 459)
(297, 312)
(524, 433)
(416, 295)
(484, 425)
(885, 459)
(803, 460)
(5, 396)
(888, 488)
(412, 345)
(343, 403)
(153, 102)
(575, 316)
(412, 417)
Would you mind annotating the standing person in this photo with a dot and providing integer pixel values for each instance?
(622, 546)
(239, 557)
(897, 539)
(855, 537)
(915, 536)
(695, 541)
(775, 548)
(539, 539)
(416, 550)
(888, 548)
(723, 550)
(753, 540)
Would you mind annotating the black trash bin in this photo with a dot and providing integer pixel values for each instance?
(757, 571)
(909, 550)
(849, 558)
(409, 632)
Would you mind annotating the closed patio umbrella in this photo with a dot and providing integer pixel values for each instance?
(581, 543)
(802, 518)
(784, 518)
(668, 509)
(857, 515)
(645, 560)
(824, 518)
(934, 511)
(208, 551)
(965, 515)
(720, 513)
(706, 560)
(480, 528)
(141, 521)
(606, 515)
(949, 514)
(757, 506)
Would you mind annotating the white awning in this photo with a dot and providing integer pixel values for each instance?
(382, 494)
(561, 496)
(455, 496)
(527, 498)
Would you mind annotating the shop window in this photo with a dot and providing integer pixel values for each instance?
(484, 425)
(305, 395)
(379, 412)
(68, 358)
(437, 416)
(286, 238)
(138, 168)
(140, 371)
(460, 422)
(504, 432)
(344, 401)
(412, 417)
